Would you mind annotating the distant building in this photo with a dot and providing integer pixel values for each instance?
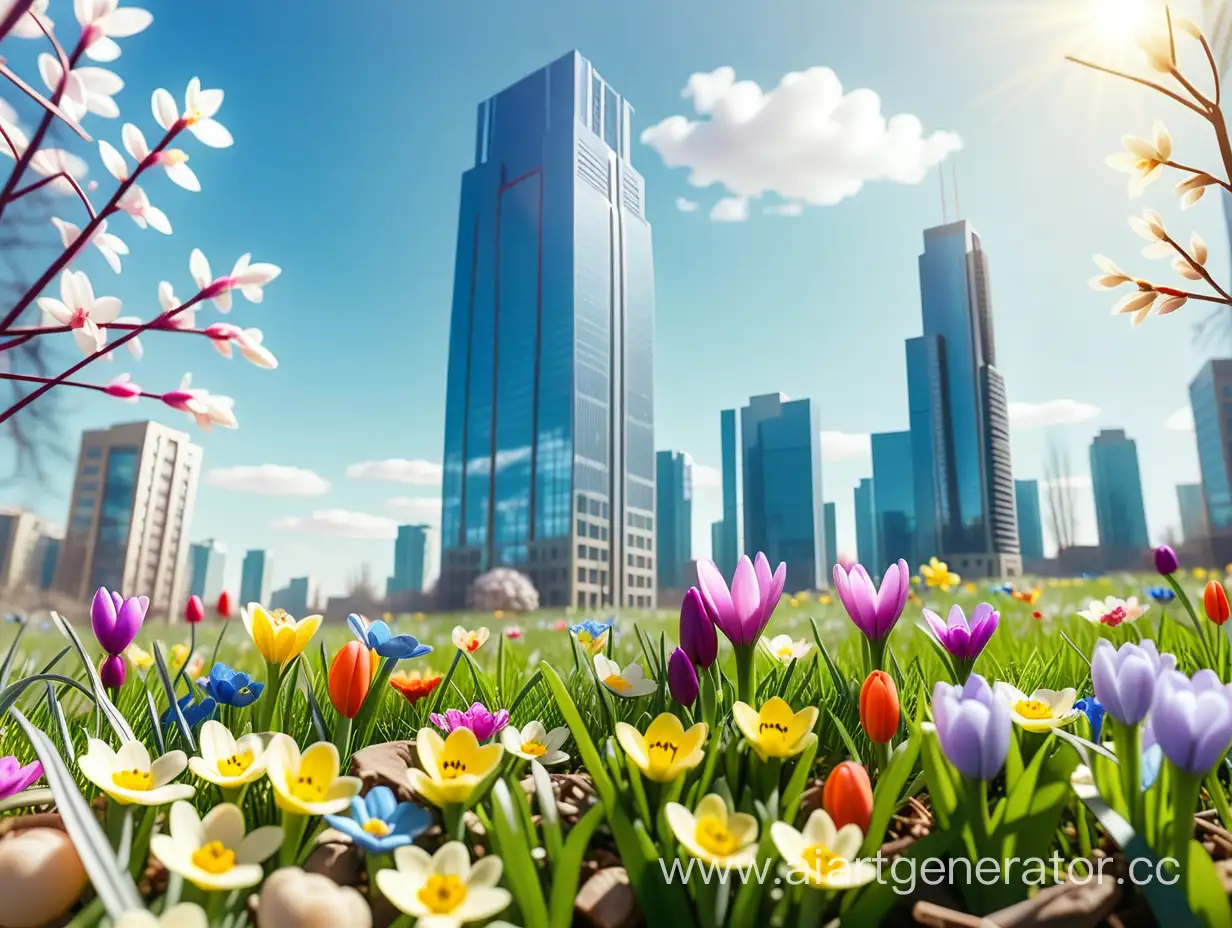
(866, 526)
(1030, 525)
(129, 517)
(207, 562)
(410, 554)
(298, 598)
(673, 517)
(255, 576)
(1193, 511)
(47, 554)
(1120, 514)
(831, 522)
(19, 537)
(894, 502)
(772, 495)
(717, 542)
(1210, 395)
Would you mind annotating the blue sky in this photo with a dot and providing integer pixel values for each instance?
(352, 132)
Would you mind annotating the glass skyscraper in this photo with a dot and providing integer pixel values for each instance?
(1030, 525)
(256, 574)
(866, 525)
(772, 496)
(1210, 395)
(674, 518)
(549, 420)
(206, 563)
(894, 500)
(1193, 511)
(960, 441)
(410, 554)
(1120, 514)
(831, 522)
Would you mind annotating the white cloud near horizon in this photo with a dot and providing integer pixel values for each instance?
(805, 140)
(706, 477)
(1050, 413)
(845, 446)
(1070, 482)
(785, 209)
(1181, 421)
(268, 479)
(685, 205)
(340, 523)
(418, 473)
(730, 209)
(426, 509)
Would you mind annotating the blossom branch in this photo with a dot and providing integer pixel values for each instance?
(1198, 269)
(1143, 81)
(51, 107)
(1198, 171)
(101, 388)
(14, 15)
(59, 175)
(1210, 58)
(25, 334)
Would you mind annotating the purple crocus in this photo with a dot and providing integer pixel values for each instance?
(117, 620)
(873, 610)
(742, 612)
(681, 678)
(697, 634)
(1124, 678)
(1166, 562)
(14, 777)
(973, 727)
(962, 639)
(1192, 720)
(477, 718)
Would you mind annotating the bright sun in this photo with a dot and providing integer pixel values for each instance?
(1118, 21)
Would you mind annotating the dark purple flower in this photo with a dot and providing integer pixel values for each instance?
(117, 620)
(112, 671)
(477, 718)
(962, 639)
(681, 678)
(1165, 560)
(697, 633)
(873, 610)
(14, 777)
(743, 611)
(1192, 720)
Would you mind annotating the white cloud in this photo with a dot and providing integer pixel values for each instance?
(686, 206)
(416, 508)
(1050, 412)
(804, 140)
(1181, 421)
(730, 209)
(398, 470)
(269, 479)
(785, 209)
(706, 477)
(340, 523)
(845, 446)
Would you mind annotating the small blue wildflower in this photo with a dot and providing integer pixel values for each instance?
(379, 824)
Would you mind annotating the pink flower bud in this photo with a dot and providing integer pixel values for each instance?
(223, 331)
(194, 611)
(122, 388)
(179, 399)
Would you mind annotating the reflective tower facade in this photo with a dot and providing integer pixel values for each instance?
(1030, 524)
(894, 499)
(549, 422)
(674, 518)
(1120, 514)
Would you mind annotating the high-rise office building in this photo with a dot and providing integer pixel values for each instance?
(1120, 514)
(19, 537)
(894, 500)
(298, 598)
(207, 561)
(46, 555)
(1193, 511)
(256, 574)
(866, 526)
(964, 486)
(772, 495)
(831, 523)
(674, 517)
(1210, 396)
(128, 520)
(549, 417)
(1030, 525)
(410, 555)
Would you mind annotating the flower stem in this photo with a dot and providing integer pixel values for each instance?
(273, 683)
(342, 738)
(746, 673)
(141, 841)
(1193, 614)
(455, 827)
(366, 716)
(1128, 741)
(1185, 787)
(292, 836)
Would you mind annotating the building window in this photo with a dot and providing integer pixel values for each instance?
(581, 552)
(593, 554)
(594, 575)
(629, 558)
(594, 531)
(94, 453)
(603, 578)
(581, 575)
(630, 579)
(603, 533)
(581, 528)
(596, 507)
(90, 470)
(582, 505)
(581, 598)
(603, 555)
(649, 524)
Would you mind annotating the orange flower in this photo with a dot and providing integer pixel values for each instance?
(349, 679)
(1215, 601)
(1030, 597)
(879, 707)
(413, 684)
(848, 795)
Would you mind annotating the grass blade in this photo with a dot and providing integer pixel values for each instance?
(169, 688)
(114, 717)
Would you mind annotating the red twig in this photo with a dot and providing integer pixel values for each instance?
(15, 13)
(43, 182)
(101, 388)
(24, 335)
(48, 105)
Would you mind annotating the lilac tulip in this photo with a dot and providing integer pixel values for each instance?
(1124, 678)
(681, 678)
(697, 633)
(742, 612)
(477, 718)
(14, 777)
(1192, 720)
(873, 610)
(117, 620)
(973, 727)
(962, 639)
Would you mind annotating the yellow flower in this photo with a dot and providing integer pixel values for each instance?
(1043, 710)
(712, 833)
(452, 767)
(213, 853)
(666, 750)
(142, 660)
(308, 783)
(1199, 573)
(775, 731)
(130, 778)
(969, 587)
(177, 656)
(824, 599)
(468, 641)
(822, 854)
(226, 761)
(183, 915)
(444, 889)
(278, 637)
(937, 574)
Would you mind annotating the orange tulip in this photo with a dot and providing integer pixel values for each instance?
(413, 684)
(848, 795)
(349, 679)
(879, 707)
(1215, 601)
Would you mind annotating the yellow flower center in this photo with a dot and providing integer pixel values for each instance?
(236, 764)
(133, 779)
(1033, 709)
(821, 860)
(377, 827)
(534, 748)
(784, 653)
(174, 156)
(442, 893)
(585, 637)
(280, 617)
(214, 857)
(452, 768)
(618, 683)
(308, 789)
(714, 837)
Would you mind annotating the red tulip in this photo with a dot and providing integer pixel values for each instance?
(848, 795)
(224, 604)
(879, 708)
(349, 679)
(194, 612)
(1215, 602)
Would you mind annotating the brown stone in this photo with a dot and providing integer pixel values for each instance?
(386, 765)
(1223, 869)
(340, 860)
(37, 820)
(1068, 905)
(608, 901)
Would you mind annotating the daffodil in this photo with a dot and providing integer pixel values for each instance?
(469, 641)
(937, 574)
(308, 783)
(1043, 710)
(534, 742)
(822, 854)
(665, 750)
(785, 650)
(227, 761)
(444, 890)
(142, 660)
(213, 853)
(714, 834)
(278, 637)
(775, 731)
(453, 767)
(628, 683)
(129, 776)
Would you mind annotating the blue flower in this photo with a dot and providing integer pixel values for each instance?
(1091, 708)
(231, 687)
(1005, 589)
(379, 823)
(194, 713)
(377, 637)
(1161, 594)
(591, 627)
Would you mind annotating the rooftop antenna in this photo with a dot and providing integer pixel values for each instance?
(957, 201)
(941, 177)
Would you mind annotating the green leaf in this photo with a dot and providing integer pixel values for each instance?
(799, 778)
(155, 724)
(1019, 792)
(520, 874)
(549, 815)
(1204, 889)
(530, 684)
(888, 795)
(113, 715)
(7, 667)
(840, 685)
(842, 733)
(181, 723)
(567, 867)
(942, 787)
(57, 713)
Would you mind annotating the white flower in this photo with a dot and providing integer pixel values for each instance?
(1143, 160)
(198, 116)
(137, 205)
(1111, 275)
(109, 246)
(444, 890)
(534, 742)
(185, 318)
(134, 346)
(27, 28)
(213, 853)
(1191, 189)
(248, 278)
(1042, 710)
(248, 341)
(822, 854)
(104, 20)
(1198, 252)
(784, 650)
(206, 408)
(8, 122)
(48, 162)
(629, 683)
(1113, 611)
(130, 778)
(87, 90)
(79, 309)
(226, 761)
(183, 915)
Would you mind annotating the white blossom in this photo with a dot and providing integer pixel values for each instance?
(81, 311)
